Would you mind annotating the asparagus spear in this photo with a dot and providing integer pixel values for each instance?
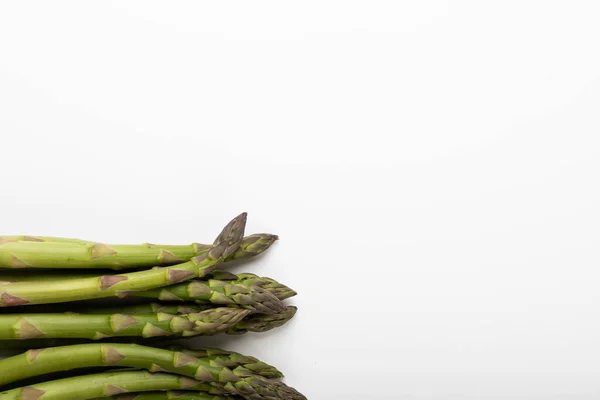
(252, 323)
(219, 292)
(144, 308)
(239, 381)
(178, 361)
(247, 280)
(92, 326)
(178, 395)
(104, 384)
(49, 252)
(250, 246)
(226, 244)
(215, 357)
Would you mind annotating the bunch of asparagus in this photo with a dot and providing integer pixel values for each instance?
(94, 332)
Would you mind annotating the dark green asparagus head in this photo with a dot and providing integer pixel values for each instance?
(241, 364)
(226, 243)
(263, 322)
(252, 298)
(219, 319)
(254, 245)
(251, 365)
(270, 285)
(270, 389)
(281, 291)
(288, 392)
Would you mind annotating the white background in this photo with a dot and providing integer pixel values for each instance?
(431, 167)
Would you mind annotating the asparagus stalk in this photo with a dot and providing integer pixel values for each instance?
(214, 357)
(247, 280)
(65, 358)
(219, 292)
(61, 375)
(239, 381)
(28, 238)
(44, 254)
(104, 384)
(250, 246)
(226, 244)
(252, 323)
(118, 306)
(178, 395)
(51, 252)
(148, 308)
(100, 326)
(124, 308)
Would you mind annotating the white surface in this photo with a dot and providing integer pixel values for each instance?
(431, 167)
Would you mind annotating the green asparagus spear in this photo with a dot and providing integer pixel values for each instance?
(170, 395)
(104, 384)
(219, 292)
(252, 323)
(214, 357)
(44, 361)
(99, 326)
(22, 293)
(239, 381)
(247, 280)
(51, 252)
(251, 246)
